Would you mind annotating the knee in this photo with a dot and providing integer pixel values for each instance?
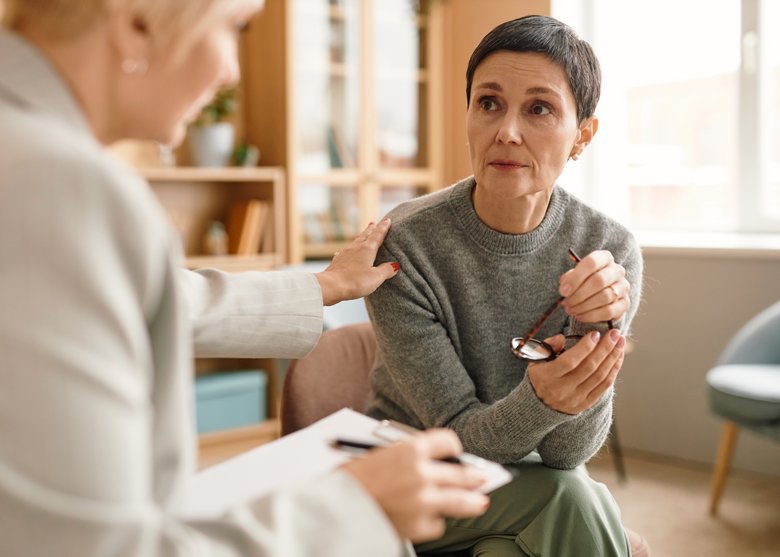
(574, 489)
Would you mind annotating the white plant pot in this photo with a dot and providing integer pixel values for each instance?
(211, 145)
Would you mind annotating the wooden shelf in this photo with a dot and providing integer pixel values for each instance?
(234, 263)
(196, 196)
(323, 250)
(267, 174)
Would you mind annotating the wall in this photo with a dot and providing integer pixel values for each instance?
(692, 304)
(466, 22)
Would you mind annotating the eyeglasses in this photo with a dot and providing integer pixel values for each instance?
(534, 350)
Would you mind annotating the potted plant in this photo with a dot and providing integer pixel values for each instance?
(211, 135)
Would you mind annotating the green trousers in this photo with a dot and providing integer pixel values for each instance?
(542, 512)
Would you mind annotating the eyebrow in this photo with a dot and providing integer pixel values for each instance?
(494, 86)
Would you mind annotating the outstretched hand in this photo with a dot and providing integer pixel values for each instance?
(416, 491)
(596, 289)
(352, 274)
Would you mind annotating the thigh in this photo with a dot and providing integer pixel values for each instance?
(544, 511)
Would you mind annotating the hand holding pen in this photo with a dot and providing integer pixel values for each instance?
(414, 490)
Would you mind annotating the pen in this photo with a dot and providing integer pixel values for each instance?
(349, 444)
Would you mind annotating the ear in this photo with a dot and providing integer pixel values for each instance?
(585, 134)
(130, 39)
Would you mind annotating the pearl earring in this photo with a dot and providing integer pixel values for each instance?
(135, 67)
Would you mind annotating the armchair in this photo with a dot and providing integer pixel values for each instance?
(744, 389)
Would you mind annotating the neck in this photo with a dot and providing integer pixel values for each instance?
(514, 216)
(89, 83)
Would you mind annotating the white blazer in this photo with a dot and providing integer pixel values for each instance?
(97, 322)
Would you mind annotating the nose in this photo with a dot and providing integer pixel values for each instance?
(509, 130)
(231, 71)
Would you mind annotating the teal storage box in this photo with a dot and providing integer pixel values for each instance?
(224, 400)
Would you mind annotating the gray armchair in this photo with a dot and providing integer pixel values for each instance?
(744, 389)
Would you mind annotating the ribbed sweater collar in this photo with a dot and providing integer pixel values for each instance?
(498, 242)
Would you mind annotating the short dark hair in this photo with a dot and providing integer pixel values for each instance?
(557, 41)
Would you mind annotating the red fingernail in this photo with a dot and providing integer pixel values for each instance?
(395, 266)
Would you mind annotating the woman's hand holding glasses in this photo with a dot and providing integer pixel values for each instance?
(596, 289)
(579, 376)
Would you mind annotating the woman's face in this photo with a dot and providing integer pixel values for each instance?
(178, 85)
(522, 124)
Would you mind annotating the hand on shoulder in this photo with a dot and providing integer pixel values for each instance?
(352, 273)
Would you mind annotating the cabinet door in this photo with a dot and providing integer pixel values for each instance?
(401, 81)
(327, 67)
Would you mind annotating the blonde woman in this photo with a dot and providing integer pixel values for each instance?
(98, 321)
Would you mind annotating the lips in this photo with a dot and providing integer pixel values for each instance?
(506, 164)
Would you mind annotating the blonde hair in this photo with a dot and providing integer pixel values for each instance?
(173, 20)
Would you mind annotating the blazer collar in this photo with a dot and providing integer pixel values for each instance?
(28, 80)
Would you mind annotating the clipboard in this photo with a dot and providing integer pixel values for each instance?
(296, 458)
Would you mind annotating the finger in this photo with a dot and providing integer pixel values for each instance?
(437, 443)
(387, 270)
(616, 347)
(605, 293)
(598, 391)
(370, 227)
(616, 310)
(458, 503)
(556, 342)
(378, 232)
(574, 357)
(572, 280)
(461, 476)
(599, 280)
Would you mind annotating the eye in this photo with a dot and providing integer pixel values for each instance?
(487, 104)
(540, 109)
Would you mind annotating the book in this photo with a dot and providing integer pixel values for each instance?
(248, 222)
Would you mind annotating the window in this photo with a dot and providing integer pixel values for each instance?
(689, 136)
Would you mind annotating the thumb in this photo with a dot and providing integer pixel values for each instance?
(388, 270)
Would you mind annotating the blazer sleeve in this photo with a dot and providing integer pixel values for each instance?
(275, 314)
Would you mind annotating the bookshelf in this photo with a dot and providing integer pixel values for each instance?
(351, 107)
(195, 197)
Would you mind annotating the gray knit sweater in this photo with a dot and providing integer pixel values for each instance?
(444, 323)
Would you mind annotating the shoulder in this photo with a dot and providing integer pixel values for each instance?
(427, 215)
(45, 159)
(419, 208)
(594, 224)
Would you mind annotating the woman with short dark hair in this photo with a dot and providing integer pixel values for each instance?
(495, 328)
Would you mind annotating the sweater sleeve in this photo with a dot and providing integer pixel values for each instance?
(576, 441)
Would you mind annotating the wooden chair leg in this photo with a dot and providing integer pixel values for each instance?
(617, 453)
(728, 440)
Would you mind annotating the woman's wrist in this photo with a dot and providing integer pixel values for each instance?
(330, 287)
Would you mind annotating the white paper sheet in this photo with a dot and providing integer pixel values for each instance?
(293, 459)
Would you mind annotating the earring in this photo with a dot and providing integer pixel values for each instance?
(574, 156)
(135, 67)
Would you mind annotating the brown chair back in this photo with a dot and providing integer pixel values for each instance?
(333, 376)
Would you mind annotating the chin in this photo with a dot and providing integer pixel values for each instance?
(176, 136)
